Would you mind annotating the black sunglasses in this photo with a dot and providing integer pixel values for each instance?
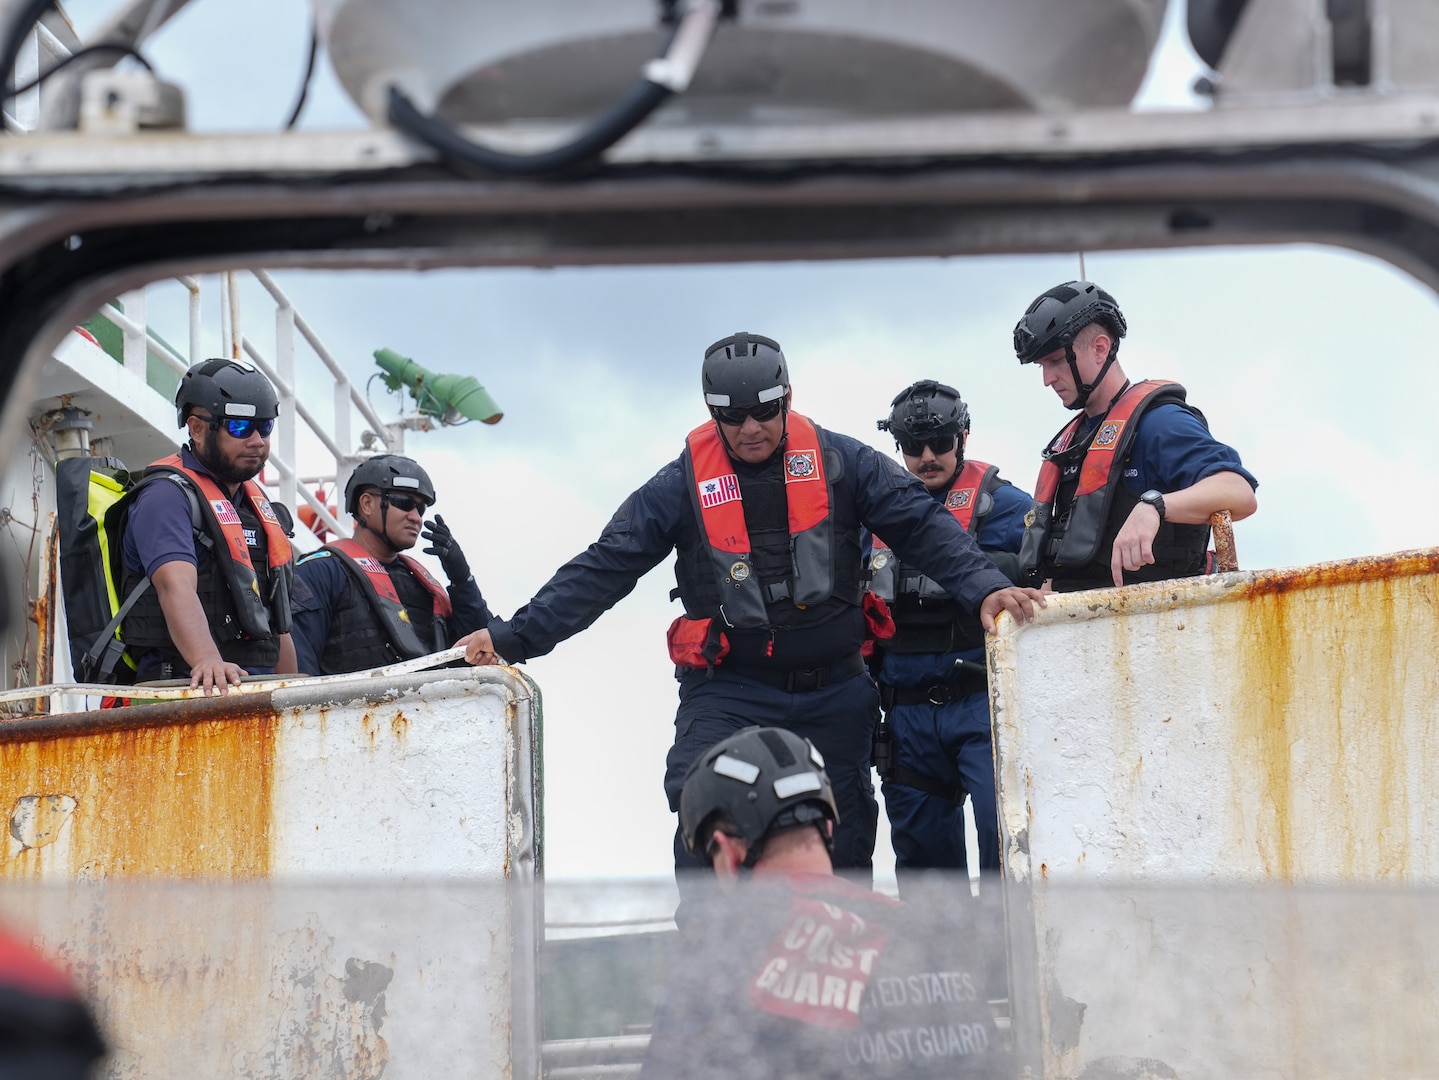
(405, 503)
(241, 429)
(940, 444)
(735, 417)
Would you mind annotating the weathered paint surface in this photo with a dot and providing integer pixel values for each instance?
(1272, 727)
(173, 855)
(179, 800)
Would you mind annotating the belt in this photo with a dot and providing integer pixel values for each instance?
(970, 678)
(798, 680)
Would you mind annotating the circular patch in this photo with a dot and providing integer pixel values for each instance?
(880, 560)
(739, 571)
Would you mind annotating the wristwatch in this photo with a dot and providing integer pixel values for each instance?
(1154, 499)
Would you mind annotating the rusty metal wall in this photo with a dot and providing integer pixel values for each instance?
(1268, 727)
(331, 879)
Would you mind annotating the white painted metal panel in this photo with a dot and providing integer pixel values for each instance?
(372, 910)
(1274, 727)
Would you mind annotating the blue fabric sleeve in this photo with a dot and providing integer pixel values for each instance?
(1003, 530)
(320, 582)
(641, 533)
(158, 528)
(470, 612)
(1173, 451)
(896, 506)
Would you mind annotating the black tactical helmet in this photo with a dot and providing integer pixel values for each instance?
(1057, 316)
(926, 409)
(228, 390)
(762, 780)
(744, 370)
(388, 472)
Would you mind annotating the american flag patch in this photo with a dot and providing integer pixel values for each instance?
(224, 512)
(721, 489)
(369, 565)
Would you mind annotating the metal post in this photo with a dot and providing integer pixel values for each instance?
(232, 296)
(343, 465)
(193, 285)
(224, 312)
(136, 348)
(27, 66)
(285, 368)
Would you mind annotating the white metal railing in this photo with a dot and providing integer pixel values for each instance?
(139, 342)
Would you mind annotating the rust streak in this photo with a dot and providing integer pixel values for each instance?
(185, 800)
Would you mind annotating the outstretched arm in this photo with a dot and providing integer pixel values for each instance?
(641, 533)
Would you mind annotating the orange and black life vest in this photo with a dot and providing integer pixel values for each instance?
(382, 629)
(926, 618)
(247, 607)
(728, 578)
(1081, 502)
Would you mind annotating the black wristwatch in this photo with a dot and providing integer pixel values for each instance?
(1154, 499)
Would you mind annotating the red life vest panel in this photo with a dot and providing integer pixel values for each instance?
(717, 499)
(378, 578)
(975, 480)
(239, 572)
(1086, 520)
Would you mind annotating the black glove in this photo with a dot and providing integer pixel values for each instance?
(443, 547)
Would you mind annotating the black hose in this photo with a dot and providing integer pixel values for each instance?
(309, 76)
(643, 98)
(89, 50)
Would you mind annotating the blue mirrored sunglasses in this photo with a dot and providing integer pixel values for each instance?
(241, 429)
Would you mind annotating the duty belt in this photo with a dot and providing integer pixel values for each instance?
(892, 772)
(969, 678)
(798, 680)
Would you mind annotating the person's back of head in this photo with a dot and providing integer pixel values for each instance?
(759, 799)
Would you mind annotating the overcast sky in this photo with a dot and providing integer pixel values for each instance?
(1318, 365)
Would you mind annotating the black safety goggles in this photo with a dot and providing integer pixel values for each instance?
(405, 503)
(735, 417)
(940, 444)
(242, 429)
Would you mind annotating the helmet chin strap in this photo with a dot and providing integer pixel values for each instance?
(1083, 388)
(383, 531)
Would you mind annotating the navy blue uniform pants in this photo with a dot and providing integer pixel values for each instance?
(838, 719)
(951, 743)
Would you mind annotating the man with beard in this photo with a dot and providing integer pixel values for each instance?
(934, 745)
(362, 603)
(213, 546)
(763, 511)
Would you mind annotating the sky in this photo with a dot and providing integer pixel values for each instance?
(1317, 364)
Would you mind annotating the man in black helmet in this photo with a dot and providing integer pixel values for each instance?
(1127, 487)
(933, 747)
(216, 550)
(363, 603)
(763, 510)
(790, 971)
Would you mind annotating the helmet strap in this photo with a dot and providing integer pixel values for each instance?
(383, 532)
(1084, 389)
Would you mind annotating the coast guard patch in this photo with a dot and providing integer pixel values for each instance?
(1108, 433)
(800, 465)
